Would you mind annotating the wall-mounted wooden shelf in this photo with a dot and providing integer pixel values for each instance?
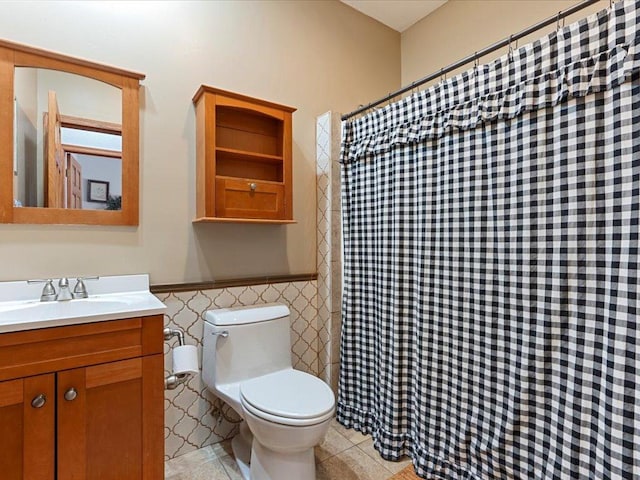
(242, 220)
(244, 159)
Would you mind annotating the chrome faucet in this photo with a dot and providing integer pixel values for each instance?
(64, 294)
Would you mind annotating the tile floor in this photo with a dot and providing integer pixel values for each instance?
(344, 455)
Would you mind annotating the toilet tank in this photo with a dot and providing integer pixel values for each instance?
(259, 342)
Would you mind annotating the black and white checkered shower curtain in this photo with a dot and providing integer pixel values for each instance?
(491, 264)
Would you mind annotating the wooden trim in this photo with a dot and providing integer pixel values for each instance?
(153, 417)
(201, 155)
(70, 216)
(130, 152)
(258, 106)
(22, 59)
(66, 58)
(238, 282)
(237, 96)
(287, 174)
(253, 156)
(65, 362)
(98, 152)
(114, 372)
(209, 157)
(69, 331)
(90, 125)
(39, 428)
(34, 352)
(6, 135)
(71, 426)
(152, 335)
(241, 220)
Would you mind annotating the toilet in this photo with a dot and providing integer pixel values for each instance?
(246, 361)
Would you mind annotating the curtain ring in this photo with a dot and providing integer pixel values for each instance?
(510, 54)
(558, 25)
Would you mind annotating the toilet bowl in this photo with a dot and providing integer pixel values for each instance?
(286, 412)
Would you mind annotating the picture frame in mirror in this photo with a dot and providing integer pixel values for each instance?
(97, 191)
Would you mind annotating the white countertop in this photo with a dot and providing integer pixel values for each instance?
(110, 298)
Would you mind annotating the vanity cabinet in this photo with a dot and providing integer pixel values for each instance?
(244, 158)
(83, 402)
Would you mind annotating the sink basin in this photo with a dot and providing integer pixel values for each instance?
(31, 314)
(54, 309)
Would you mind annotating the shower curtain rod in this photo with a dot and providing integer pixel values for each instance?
(491, 48)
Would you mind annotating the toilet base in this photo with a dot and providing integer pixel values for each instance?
(241, 446)
(269, 465)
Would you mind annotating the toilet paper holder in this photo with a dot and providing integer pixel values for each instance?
(173, 332)
(172, 381)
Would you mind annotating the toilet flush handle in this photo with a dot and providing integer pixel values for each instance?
(221, 333)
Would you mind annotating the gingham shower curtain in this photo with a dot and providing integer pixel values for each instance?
(491, 264)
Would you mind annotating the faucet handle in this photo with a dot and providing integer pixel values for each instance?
(48, 291)
(80, 290)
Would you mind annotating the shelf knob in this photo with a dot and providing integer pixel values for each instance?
(253, 187)
(39, 401)
(70, 394)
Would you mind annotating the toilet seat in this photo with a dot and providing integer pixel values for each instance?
(288, 397)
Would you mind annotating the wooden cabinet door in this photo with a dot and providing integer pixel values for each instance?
(27, 423)
(237, 198)
(110, 421)
(74, 182)
(54, 156)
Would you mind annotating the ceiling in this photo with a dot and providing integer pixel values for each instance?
(397, 14)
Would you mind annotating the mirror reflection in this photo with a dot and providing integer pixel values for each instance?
(68, 141)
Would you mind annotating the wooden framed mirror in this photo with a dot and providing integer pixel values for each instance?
(69, 139)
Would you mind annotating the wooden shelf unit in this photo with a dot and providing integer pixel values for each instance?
(243, 158)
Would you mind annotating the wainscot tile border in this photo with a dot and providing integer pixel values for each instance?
(233, 282)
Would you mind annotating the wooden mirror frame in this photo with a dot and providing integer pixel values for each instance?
(16, 55)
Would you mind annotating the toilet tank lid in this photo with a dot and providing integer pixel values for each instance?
(248, 314)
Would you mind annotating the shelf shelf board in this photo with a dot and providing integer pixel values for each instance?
(253, 156)
(245, 179)
(242, 220)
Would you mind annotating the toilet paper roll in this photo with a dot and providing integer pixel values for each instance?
(185, 360)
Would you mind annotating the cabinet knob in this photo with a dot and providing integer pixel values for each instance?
(253, 187)
(70, 394)
(39, 401)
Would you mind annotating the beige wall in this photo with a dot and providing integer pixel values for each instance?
(462, 27)
(315, 56)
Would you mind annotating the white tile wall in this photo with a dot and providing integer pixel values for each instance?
(329, 256)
